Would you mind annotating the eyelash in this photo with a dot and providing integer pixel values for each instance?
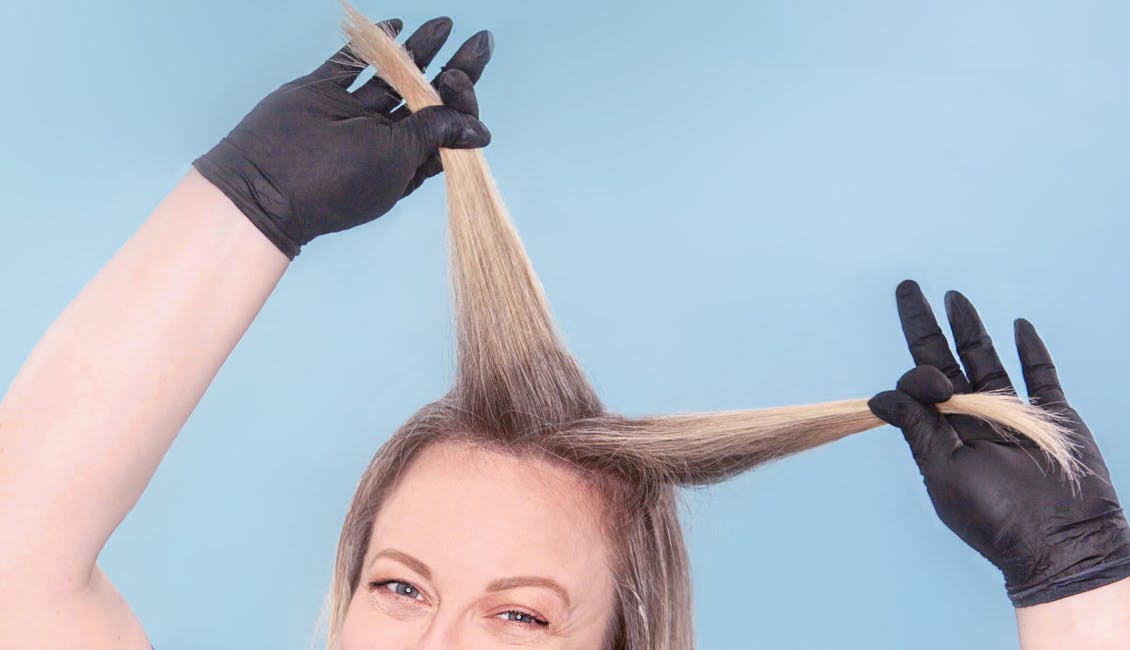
(376, 584)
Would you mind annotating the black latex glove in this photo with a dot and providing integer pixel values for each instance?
(313, 158)
(1006, 500)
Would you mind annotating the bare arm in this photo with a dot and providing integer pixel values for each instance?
(103, 394)
(1098, 620)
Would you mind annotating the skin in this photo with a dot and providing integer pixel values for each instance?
(101, 397)
(1098, 619)
(474, 517)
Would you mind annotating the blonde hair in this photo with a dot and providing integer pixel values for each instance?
(519, 390)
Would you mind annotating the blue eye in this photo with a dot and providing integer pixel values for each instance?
(400, 588)
(408, 590)
(524, 618)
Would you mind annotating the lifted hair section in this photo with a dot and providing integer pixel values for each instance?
(517, 387)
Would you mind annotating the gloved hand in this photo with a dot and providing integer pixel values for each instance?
(313, 158)
(1006, 500)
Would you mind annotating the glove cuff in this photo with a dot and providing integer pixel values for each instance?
(1087, 580)
(223, 165)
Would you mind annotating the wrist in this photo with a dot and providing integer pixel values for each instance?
(1097, 619)
(248, 190)
(1087, 556)
(1073, 585)
(229, 231)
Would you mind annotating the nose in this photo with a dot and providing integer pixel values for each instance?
(444, 633)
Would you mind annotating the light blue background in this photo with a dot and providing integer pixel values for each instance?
(719, 197)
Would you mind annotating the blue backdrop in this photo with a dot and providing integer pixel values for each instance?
(719, 198)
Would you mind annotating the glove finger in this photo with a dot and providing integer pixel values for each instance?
(451, 91)
(426, 42)
(473, 55)
(457, 91)
(376, 94)
(431, 167)
(982, 364)
(931, 438)
(929, 385)
(1040, 375)
(928, 346)
(343, 67)
(470, 59)
(926, 384)
(433, 127)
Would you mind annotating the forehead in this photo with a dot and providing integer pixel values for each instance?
(479, 513)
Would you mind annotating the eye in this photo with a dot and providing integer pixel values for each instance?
(399, 588)
(522, 618)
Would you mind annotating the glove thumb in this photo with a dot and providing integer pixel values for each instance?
(930, 436)
(457, 91)
(438, 126)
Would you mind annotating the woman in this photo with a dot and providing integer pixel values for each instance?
(427, 560)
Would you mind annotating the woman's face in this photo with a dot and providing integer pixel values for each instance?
(476, 549)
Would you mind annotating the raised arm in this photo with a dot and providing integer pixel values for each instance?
(1064, 550)
(103, 394)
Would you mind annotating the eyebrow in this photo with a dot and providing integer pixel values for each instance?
(530, 581)
(405, 559)
(500, 584)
